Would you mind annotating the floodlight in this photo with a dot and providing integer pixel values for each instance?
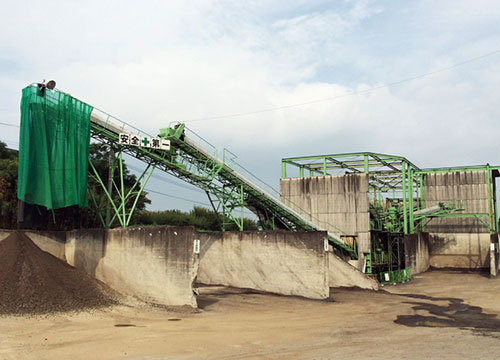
(51, 84)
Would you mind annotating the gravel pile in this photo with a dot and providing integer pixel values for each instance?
(33, 281)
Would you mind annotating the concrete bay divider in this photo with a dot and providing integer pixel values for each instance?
(343, 274)
(459, 242)
(459, 250)
(160, 264)
(281, 262)
(154, 264)
(417, 252)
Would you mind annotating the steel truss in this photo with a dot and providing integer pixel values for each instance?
(228, 192)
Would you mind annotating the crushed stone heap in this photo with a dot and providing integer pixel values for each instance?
(33, 281)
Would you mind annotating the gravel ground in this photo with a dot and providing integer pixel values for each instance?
(438, 315)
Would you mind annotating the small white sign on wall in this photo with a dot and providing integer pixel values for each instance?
(196, 246)
(326, 245)
(386, 276)
(492, 247)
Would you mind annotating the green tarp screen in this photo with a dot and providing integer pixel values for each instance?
(53, 149)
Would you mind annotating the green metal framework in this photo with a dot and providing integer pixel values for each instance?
(124, 196)
(487, 219)
(397, 206)
(397, 178)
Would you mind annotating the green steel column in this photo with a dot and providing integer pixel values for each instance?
(418, 192)
(283, 169)
(123, 188)
(417, 195)
(97, 207)
(98, 178)
(410, 202)
(324, 166)
(405, 219)
(366, 164)
(495, 208)
(111, 169)
(490, 200)
(130, 192)
(399, 253)
(242, 199)
(301, 172)
(422, 200)
(311, 173)
(138, 194)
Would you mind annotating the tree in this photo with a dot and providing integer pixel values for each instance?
(201, 218)
(8, 187)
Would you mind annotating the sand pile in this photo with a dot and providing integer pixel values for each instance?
(33, 281)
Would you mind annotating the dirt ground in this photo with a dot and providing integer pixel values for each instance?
(437, 315)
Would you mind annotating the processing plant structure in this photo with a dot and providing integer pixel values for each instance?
(373, 207)
(375, 202)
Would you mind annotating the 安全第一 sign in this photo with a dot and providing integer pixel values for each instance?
(143, 141)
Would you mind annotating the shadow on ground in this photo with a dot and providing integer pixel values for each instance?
(455, 314)
(211, 294)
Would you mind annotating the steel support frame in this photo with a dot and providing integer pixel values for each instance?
(400, 175)
(188, 164)
(230, 204)
(386, 173)
(491, 224)
(123, 197)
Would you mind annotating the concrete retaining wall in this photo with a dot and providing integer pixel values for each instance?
(417, 253)
(154, 264)
(342, 274)
(471, 187)
(467, 251)
(281, 262)
(158, 264)
(458, 242)
(337, 203)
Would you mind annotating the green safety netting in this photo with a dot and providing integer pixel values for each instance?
(53, 149)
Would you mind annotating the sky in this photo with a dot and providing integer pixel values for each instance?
(236, 73)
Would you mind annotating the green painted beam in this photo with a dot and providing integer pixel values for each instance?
(458, 169)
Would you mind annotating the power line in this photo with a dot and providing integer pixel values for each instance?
(337, 96)
(11, 141)
(8, 124)
(347, 94)
(177, 197)
(161, 178)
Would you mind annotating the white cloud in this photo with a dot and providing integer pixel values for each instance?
(167, 61)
